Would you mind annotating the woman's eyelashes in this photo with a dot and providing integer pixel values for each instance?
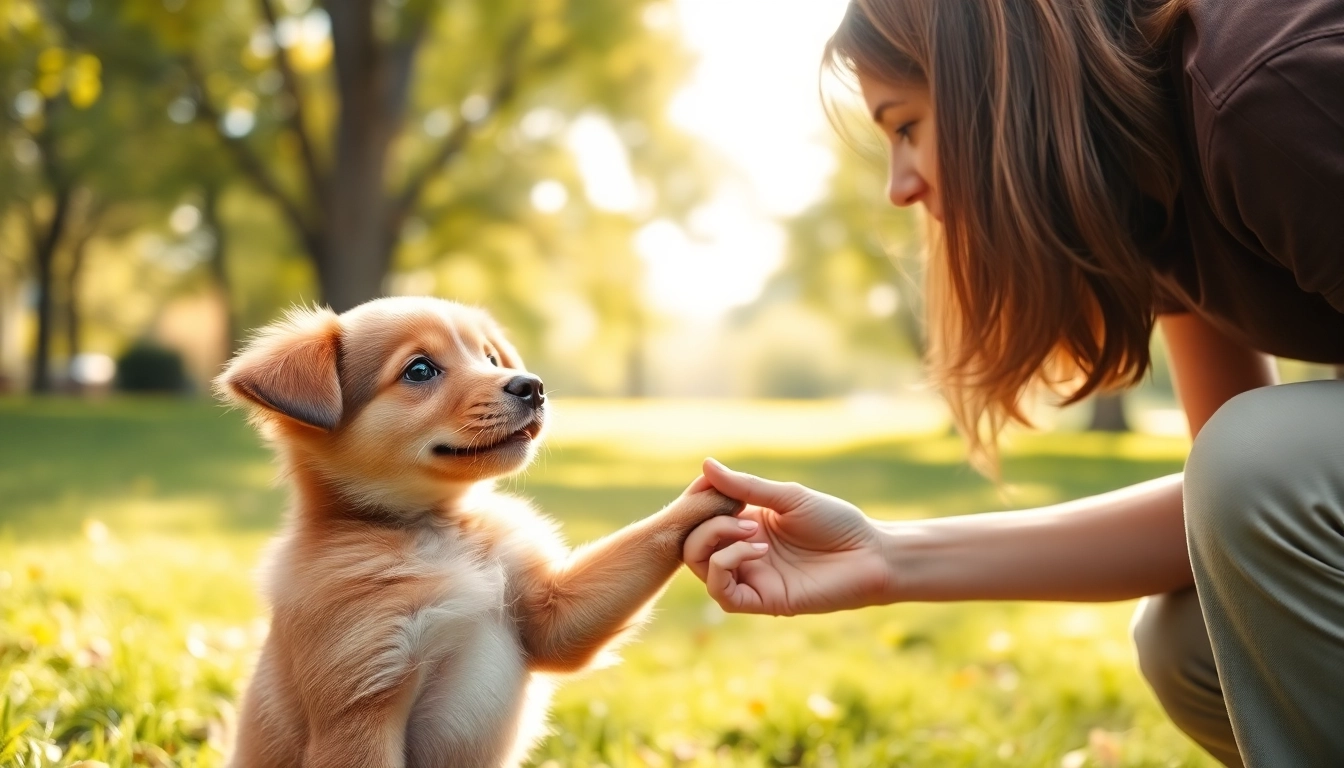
(902, 132)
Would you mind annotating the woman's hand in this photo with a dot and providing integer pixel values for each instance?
(792, 550)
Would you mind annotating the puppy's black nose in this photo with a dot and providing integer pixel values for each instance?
(527, 388)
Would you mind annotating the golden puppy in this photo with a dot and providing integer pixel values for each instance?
(413, 607)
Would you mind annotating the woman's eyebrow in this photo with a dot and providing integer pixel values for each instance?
(883, 107)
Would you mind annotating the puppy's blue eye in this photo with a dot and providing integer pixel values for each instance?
(420, 369)
(493, 360)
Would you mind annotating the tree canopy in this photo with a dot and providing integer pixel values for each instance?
(348, 148)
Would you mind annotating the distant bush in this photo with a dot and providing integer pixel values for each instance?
(794, 376)
(794, 352)
(148, 367)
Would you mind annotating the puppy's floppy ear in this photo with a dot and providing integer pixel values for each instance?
(290, 369)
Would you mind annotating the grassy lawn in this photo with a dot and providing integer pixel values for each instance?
(128, 618)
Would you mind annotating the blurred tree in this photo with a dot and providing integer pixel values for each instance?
(44, 84)
(348, 115)
(1108, 413)
(218, 261)
(854, 259)
(72, 173)
(538, 220)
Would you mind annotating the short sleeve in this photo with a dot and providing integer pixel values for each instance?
(1275, 163)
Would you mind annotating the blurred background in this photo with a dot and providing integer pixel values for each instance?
(649, 196)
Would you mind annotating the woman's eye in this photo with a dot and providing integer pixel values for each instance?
(420, 369)
(903, 132)
(493, 360)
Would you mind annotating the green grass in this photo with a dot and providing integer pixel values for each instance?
(128, 616)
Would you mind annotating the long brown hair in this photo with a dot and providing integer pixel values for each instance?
(1057, 164)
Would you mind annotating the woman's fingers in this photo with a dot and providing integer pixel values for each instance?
(780, 497)
(697, 485)
(721, 581)
(711, 536)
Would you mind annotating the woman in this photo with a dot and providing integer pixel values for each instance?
(1097, 167)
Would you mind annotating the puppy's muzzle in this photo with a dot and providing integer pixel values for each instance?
(527, 388)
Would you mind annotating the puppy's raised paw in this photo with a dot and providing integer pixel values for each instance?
(693, 509)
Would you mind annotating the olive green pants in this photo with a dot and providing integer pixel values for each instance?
(1250, 663)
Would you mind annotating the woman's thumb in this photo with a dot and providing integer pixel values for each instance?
(780, 497)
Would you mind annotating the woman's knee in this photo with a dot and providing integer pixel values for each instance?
(1173, 649)
(1253, 460)
(1176, 659)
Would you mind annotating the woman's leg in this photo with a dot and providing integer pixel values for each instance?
(1176, 660)
(1264, 511)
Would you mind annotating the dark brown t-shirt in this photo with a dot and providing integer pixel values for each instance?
(1258, 246)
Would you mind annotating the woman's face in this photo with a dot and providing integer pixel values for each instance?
(904, 114)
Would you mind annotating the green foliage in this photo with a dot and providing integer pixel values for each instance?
(81, 158)
(145, 105)
(530, 68)
(11, 735)
(128, 617)
(851, 257)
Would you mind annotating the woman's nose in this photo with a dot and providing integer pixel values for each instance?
(904, 185)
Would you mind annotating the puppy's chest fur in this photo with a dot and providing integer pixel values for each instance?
(423, 613)
(473, 683)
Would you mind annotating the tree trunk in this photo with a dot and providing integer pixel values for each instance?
(219, 270)
(346, 217)
(1108, 414)
(355, 253)
(372, 79)
(44, 257)
(74, 340)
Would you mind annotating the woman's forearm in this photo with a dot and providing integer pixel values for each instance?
(1114, 546)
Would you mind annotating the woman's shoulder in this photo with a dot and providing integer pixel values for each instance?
(1227, 43)
(1263, 111)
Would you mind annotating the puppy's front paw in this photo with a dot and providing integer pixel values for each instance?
(695, 508)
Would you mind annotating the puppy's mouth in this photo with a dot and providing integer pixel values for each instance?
(519, 437)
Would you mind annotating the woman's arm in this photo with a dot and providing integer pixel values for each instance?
(813, 553)
(1114, 546)
(1208, 368)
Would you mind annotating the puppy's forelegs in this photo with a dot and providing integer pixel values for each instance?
(570, 613)
(367, 733)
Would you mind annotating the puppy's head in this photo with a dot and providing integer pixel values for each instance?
(397, 402)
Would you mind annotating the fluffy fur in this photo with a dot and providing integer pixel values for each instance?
(417, 614)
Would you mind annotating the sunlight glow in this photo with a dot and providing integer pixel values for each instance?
(722, 262)
(754, 94)
(604, 165)
(238, 122)
(311, 29)
(541, 123)
(753, 97)
(549, 196)
(437, 123)
(182, 110)
(184, 218)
